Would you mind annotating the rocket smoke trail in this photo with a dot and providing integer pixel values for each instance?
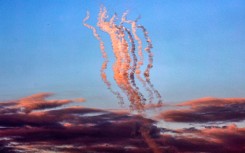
(140, 53)
(134, 64)
(150, 63)
(104, 65)
(135, 94)
(122, 63)
(127, 65)
(123, 72)
(134, 57)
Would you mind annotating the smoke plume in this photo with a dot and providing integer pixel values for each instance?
(127, 64)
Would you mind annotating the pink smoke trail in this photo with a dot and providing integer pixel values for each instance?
(141, 57)
(105, 57)
(133, 69)
(150, 63)
(136, 97)
(122, 63)
(122, 66)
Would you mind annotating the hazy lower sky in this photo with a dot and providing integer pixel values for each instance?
(199, 47)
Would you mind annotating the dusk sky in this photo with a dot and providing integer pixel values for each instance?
(198, 48)
(198, 66)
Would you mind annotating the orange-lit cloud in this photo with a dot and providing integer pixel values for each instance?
(207, 110)
(79, 100)
(36, 102)
(211, 101)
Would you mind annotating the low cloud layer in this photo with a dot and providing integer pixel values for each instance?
(80, 129)
(36, 102)
(207, 110)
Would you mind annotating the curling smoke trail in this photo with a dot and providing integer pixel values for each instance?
(134, 57)
(132, 78)
(150, 63)
(104, 65)
(140, 53)
(123, 72)
(122, 63)
(126, 62)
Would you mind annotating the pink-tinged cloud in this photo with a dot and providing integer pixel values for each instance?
(211, 101)
(79, 100)
(228, 138)
(81, 129)
(207, 110)
(153, 106)
(39, 102)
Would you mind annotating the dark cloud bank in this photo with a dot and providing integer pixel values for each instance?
(35, 124)
(208, 110)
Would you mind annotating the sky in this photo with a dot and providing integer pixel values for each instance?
(198, 48)
(53, 98)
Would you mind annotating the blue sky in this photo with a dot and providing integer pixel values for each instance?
(198, 48)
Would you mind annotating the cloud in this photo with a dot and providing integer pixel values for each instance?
(207, 110)
(153, 106)
(95, 128)
(212, 139)
(36, 102)
(80, 129)
(79, 100)
(211, 101)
